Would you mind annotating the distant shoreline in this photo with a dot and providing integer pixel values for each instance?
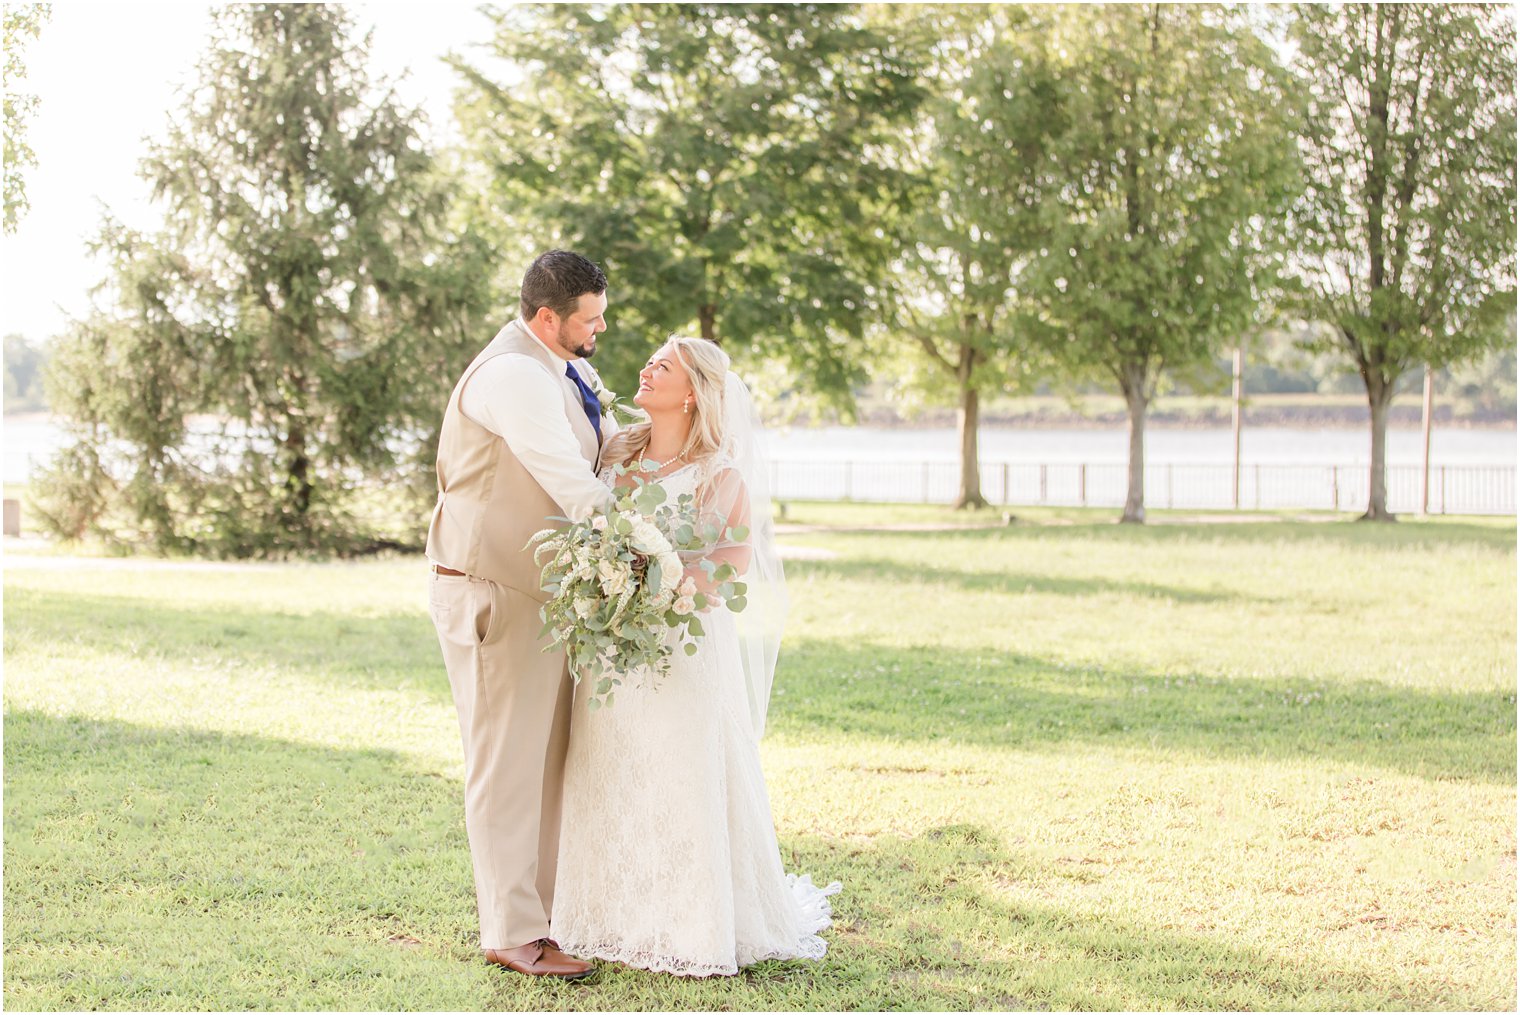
(1045, 417)
(1333, 418)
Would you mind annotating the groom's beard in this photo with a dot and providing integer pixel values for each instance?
(585, 350)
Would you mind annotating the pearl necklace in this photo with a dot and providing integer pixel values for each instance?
(657, 466)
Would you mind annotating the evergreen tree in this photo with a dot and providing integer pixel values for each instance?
(304, 293)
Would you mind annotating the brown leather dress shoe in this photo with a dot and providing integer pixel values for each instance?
(539, 958)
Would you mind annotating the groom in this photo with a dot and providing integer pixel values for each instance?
(519, 443)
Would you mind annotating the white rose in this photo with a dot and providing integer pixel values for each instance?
(599, 523)
(688, 587)
(649, 540)
(684, 605)
(670, 571)
(613, 575)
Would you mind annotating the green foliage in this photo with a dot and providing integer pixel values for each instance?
(237, 787)
(1405, 236)
(718, 160)
(974, 218)
(24, 365)
(1483, 385)
(973, 225)
(295, 326)
(1168, 164)
(1171, 159)
(22, 22)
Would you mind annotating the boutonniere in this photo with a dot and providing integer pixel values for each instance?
(605, 397)
(612, 407)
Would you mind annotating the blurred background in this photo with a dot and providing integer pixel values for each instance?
(1178, 257)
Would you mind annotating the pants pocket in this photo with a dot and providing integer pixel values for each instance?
(489, 610)
(440, 598)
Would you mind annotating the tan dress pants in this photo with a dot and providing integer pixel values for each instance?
(514, 704)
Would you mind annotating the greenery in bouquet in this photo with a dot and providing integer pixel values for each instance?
(624, 584)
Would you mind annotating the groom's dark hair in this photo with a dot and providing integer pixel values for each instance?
(557, 279)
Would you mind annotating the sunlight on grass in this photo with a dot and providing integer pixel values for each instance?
(1063, 764)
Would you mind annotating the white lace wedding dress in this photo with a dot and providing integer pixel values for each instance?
(668, 858)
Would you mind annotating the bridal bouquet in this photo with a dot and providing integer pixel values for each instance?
(619, 587)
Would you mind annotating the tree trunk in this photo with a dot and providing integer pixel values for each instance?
(1379, 398)
(707, 320)
(1137, 400)
(970, 495)
(298, 483)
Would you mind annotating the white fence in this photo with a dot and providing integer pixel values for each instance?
(1454, 489)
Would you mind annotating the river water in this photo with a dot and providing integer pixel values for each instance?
(1207, 446)
(29, 440)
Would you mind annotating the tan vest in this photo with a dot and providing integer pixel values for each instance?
(488, 503)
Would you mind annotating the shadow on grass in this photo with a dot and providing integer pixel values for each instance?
(898, 573)
(383, 652)
(162, 868)
(1348, 533)
(954, 946)
(993, 699)
(168, 868)
(831, 688)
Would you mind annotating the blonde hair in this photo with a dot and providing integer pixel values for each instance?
(706, 367)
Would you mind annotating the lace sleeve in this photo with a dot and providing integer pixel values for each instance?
(723, 507)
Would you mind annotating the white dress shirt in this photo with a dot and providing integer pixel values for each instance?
(517, 398)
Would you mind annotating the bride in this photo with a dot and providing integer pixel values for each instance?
(668, 857)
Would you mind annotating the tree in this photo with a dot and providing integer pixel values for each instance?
(1168, 168)
(24, 363)
(975, 220)
(22, 22)
(717, 159)
(305, 293)
(1405, 236)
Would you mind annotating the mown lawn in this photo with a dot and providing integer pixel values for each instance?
(1061, 764)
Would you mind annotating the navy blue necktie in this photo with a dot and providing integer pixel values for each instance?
(589, 401)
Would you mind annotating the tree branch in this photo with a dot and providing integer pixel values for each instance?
(932, 349)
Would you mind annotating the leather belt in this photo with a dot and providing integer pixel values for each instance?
(440, 569)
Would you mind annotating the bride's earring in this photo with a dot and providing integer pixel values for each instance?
(686, 409)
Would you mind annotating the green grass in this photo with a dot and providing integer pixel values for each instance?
(1063, 764)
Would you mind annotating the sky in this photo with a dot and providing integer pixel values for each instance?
(107, 76)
